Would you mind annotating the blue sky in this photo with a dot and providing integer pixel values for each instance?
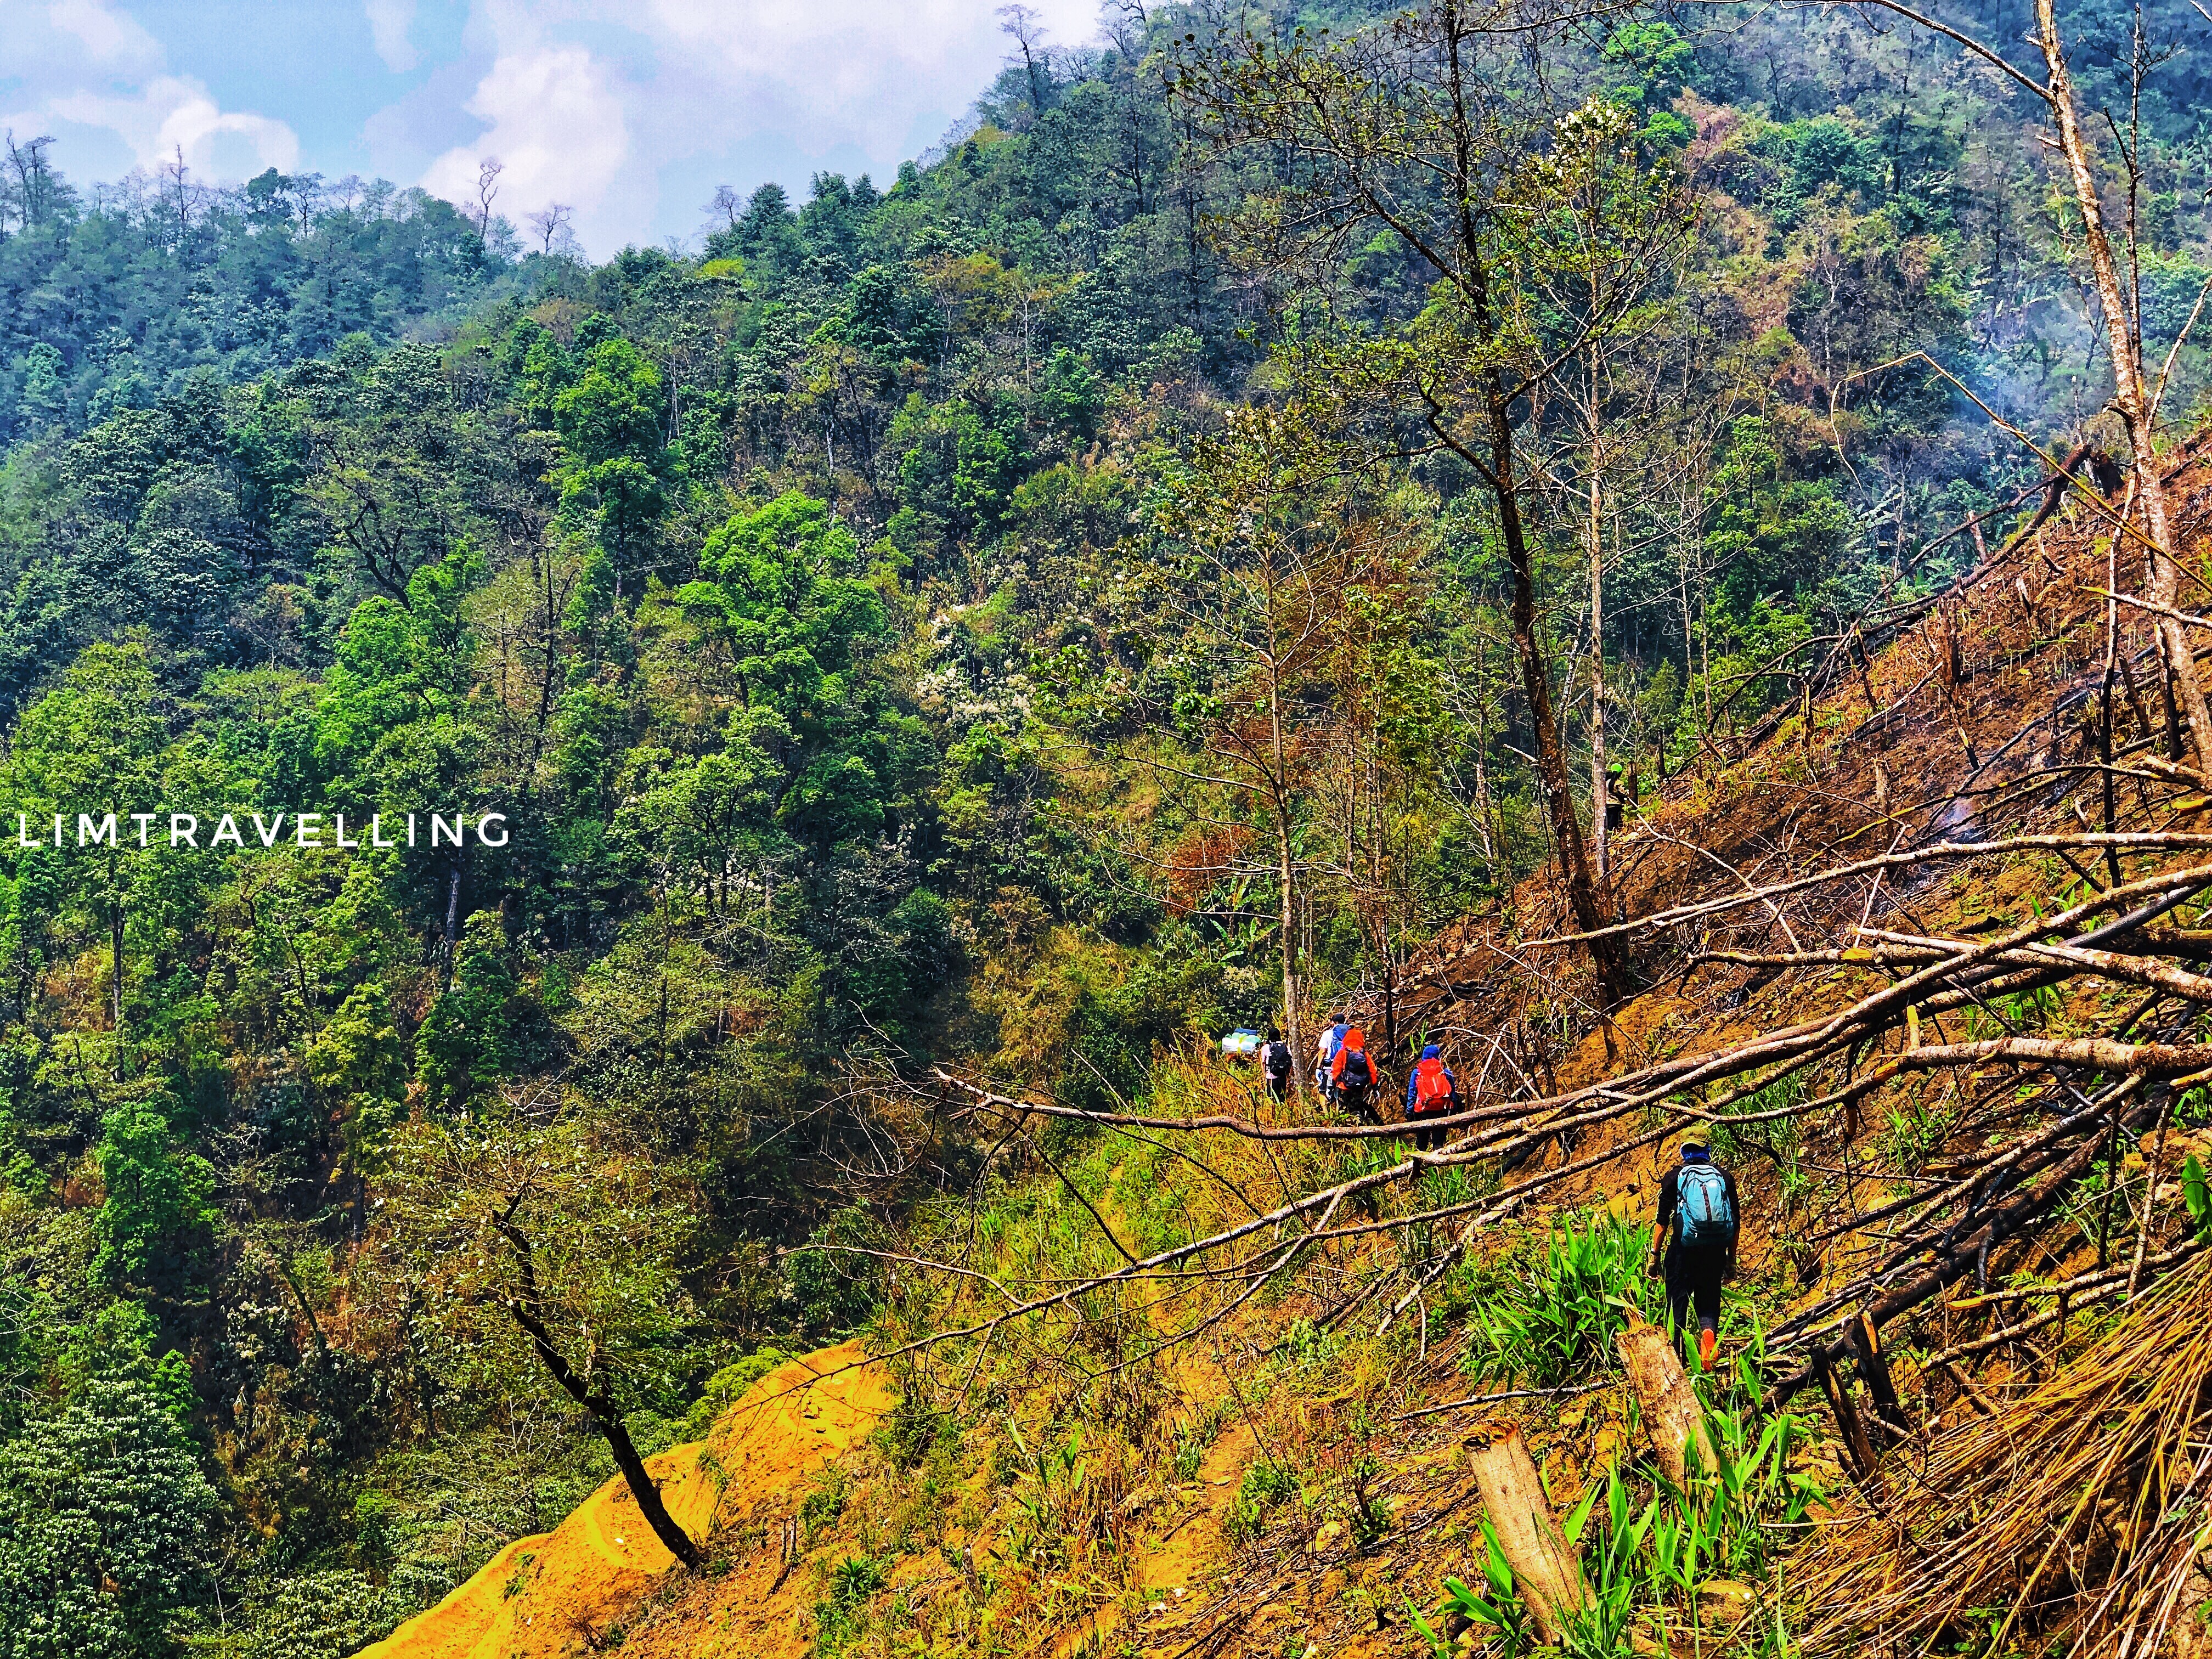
(629, 110)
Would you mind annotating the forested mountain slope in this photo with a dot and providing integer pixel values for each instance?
(1290, 1473)
(1021, 619)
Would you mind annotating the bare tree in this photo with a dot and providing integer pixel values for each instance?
(487, 172)
(1602, 235)
(555, 225)
(728, 204)
(179, 192)
(1027, 27)
(33, 179)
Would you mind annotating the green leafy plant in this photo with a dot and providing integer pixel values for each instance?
(1498, 1605)
(2196, 1194)
(841, 1615)
(1552, 1312)
(1370, 1512)
(1192, 1439)
(827, 1501)
(1650, 1561)
(1265, 1484)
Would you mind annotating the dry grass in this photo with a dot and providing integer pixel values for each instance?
(2077, 1517)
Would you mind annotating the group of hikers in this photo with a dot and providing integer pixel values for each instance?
(1693, 1236)
(1346, 1078)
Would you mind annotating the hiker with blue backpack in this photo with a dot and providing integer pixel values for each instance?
(1332, 1039)
(1698, 1209)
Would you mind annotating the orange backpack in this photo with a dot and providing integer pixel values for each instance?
(1433, 1087)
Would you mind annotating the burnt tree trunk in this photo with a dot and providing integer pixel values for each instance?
(605, 1416)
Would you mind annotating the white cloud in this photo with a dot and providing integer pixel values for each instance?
(556, 125)
(667, 82)
(91, 63)
(389, 21)
(830, 70)
(175, 113)
(114, 40)
(72, 42)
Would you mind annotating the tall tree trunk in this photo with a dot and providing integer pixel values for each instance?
(452, 918)
(1536, 685)
(609, 1422)
(2131, 398)
(1285, 875)
(1600, 796)
(115, 948)
(606, 1416)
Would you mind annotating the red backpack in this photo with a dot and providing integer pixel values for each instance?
(1433, 1087)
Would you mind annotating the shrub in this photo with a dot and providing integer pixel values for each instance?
(318, 1613)
(1266, 1484)
(726, 1387)
(1551, 1311)
(103, 1528)
(841, 1615)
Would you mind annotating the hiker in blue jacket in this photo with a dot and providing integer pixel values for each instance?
(1430, 1092)
(1698, 1210)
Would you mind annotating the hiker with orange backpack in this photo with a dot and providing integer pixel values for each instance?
(1352, 1077)
(1430, 1092)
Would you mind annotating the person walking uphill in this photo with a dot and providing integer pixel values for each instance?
(1698, 1210)
(1352, 1078)
(1430, 1092)
(1332, 1039)
(1275, 1063)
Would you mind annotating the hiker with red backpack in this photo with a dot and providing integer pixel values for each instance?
(1352, 1077)
(1430, 1092)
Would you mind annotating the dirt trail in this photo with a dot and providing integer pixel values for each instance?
(562, 1592)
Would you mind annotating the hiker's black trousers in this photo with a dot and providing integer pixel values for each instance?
(1693, 1277)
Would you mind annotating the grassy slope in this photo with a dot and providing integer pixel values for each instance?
(1263, 1492)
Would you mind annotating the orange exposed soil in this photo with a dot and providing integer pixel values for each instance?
(563, 1592)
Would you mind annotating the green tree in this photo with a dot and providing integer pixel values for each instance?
(612, 417)
(104, 1517)
(90, 752)
(484, 1028)
(158, 1209)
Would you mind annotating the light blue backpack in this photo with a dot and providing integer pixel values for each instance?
(1703, 1214)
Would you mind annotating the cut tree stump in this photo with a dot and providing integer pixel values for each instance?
(1671, 1411)
(1548, 1572)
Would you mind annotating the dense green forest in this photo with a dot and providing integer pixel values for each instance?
(841, 617)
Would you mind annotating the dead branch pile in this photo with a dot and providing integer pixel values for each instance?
(2078, 1514)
